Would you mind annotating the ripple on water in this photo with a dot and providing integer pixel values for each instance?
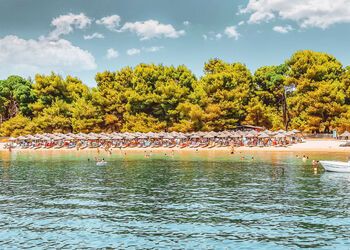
(172, 203)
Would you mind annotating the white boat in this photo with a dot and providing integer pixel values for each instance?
(336, 166)
(101, 163)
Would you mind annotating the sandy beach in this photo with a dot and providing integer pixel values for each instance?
(307, 146)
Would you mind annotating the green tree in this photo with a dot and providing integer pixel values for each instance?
(16, 126)
(228, 88)
(319, 97)
(15, 96)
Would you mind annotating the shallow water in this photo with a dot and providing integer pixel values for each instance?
(181, 201)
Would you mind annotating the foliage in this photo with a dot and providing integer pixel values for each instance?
(310, 91)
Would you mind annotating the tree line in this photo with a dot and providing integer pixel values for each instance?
(310, 91)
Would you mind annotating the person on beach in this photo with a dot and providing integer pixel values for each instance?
(232, 150)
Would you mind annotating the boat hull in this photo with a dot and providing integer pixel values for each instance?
(336, 166)
(100, 164)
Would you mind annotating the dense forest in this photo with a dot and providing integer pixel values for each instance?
(310, 92)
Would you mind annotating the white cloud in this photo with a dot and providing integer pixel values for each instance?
(153, 48)
(231, 32)
(241, 23)
(212, 36)
(133, 51)
(65, 24)
(93, 36)
(186, 23)
(283, 29)
(152, 29)
(307, 13)
(110, 22)
(218, 36)
(28, 57)
(112, 53)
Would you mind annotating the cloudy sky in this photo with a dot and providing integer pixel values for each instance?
(82, 37)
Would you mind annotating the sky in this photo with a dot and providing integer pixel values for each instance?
(83, 37)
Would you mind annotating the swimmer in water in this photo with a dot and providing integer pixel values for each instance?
(304, 158)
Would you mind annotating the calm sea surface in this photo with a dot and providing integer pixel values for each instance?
(181, 201)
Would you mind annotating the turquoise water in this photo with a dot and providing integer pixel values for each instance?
(180, 201)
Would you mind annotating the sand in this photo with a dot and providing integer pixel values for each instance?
(307, 146)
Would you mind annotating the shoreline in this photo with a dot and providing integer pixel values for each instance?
(308, 146)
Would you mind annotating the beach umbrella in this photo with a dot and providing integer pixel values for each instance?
(181, 136)
(213, 133)
(168, 136)
(91, 137)
(295, 131)
(268, 132)
(235, 135)
(31, 137)
(263, 135)
(254, 132)
(208, 136)
(194, 136)
(117, 137)
(78, 137)
(200, 133)
(281, 131)
(174, 133)
(345, 134)
(142, 137)
(280, 135)
(45, 138)
(241, 133)
(290, 133)
(129, 137)
(222, 135)
(155, 136)
(161, 134)
(103, 137)
(249, 135)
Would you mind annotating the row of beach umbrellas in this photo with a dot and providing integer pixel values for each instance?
(161, 135)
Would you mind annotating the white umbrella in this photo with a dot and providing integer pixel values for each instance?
(263, 135)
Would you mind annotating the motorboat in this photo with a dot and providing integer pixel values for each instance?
(336, 166)
(101, 163)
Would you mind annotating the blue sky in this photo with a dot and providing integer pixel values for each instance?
(82, 37)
